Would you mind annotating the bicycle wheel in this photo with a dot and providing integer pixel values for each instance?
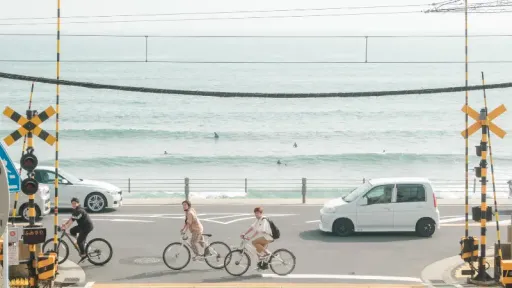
(237, 257)
(277, 260)
(94, 253)
(213, 254)
(171, 253)
(63, 247)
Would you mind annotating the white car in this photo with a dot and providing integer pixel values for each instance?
(384, 205)
(41, 202)
(96, 196)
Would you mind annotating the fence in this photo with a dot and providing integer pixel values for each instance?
(280, 188)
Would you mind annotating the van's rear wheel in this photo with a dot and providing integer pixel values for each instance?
(425, 227)
(343, 227)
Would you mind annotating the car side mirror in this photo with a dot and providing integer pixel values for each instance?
(363, 201)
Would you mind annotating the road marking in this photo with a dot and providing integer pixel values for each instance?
(489, 224)
(123, 220)
(257, 285)
(452, 220)
(89, 285)
(229, 216)
(344, 277)
(313, 221)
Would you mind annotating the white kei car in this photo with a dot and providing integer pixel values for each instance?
(96, 196)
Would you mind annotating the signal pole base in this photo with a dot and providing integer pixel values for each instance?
(483, 279)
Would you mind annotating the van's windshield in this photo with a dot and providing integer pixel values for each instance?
(356, 192)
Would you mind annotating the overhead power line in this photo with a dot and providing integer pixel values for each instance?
(251, 95)
(254, 62)
(213, 18)
(228, 12)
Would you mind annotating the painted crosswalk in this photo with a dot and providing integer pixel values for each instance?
(217, 218)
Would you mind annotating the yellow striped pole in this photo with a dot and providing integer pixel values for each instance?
(466, 116)
(498, 233)
(17, 195)
(31, 213)
(56, 209)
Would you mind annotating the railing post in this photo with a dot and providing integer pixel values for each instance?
(474, 185)
(366, 50)
(129, 185)
(304, 189)
(187, 188)
(146, 48)
(245, 185)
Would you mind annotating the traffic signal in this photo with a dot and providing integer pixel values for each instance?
(29, 162)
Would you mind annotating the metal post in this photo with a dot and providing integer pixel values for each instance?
(304, 190)
(474, 185)
(129, 186)
(482, 275)
(146, 48)
(366, 50)
(187, 188)
(6, 255)
(245, 185)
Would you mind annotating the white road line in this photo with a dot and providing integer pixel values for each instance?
(452, 220)
(344, 277)
(313, 221)
(123, 220)
(241, 219)
(474, 224)
(228, 216)
(89, 285)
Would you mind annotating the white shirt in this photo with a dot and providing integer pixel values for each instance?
(262, 228)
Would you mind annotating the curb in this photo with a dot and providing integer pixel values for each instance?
(70, 274)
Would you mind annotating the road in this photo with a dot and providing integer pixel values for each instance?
(139, 235)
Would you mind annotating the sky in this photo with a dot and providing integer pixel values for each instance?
(401, 24)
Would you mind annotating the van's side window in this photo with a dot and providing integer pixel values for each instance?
(410, 193)
(380, 194)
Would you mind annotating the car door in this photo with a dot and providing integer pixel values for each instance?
(48, 178)
(376, 213)
(410, 206)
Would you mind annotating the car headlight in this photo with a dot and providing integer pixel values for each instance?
(329, 209)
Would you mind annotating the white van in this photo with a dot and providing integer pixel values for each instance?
(41, 201)
(384, 205)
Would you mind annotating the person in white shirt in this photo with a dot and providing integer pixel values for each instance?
(262, 235)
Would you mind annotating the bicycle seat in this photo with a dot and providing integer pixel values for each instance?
(207, 235)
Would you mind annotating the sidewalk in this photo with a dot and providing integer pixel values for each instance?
(448, 272)
(278, 201)
(69, 274)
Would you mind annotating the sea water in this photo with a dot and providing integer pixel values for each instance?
(108, 134)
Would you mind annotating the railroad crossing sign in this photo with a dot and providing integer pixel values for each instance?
(490, 116)
(31, 125)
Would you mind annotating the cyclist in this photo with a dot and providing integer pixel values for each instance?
(83, 228)
(262, 235)
(193, 224)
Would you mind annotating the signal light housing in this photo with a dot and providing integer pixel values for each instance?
(29, 162)
(29, 186)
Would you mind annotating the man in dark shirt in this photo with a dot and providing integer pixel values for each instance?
(84, 225)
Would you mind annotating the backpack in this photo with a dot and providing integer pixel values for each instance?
(275, 231)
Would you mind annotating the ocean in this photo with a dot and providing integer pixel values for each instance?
(118, 135)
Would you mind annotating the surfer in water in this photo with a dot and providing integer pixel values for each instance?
(295, 145)
(215, 135)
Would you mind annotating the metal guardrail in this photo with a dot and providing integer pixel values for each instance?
(303, 187)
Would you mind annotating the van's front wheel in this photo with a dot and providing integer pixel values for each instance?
(425, 227)
(343, 227)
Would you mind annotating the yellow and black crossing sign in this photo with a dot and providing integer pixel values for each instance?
(490, 116)
(31, 125)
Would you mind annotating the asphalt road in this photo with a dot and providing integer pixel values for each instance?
(140, 234)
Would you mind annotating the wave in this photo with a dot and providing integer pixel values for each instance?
(102, 134)
(356, 158)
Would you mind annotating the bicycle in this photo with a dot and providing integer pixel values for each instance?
(210, 251)
(263, 263)
(92, 253)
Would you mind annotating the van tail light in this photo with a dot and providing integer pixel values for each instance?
(435, 200)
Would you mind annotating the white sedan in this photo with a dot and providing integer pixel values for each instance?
(96, 196)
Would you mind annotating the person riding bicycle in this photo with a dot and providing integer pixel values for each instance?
(83, 228)
(262, 235)
(193, 224)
